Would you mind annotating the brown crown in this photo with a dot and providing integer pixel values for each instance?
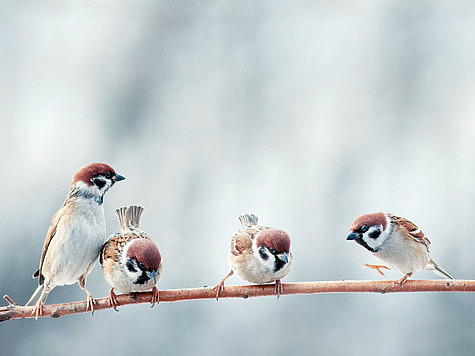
(145, 251)
(279, 240)
(369, 220)
(87, 172)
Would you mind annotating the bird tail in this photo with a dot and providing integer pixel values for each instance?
(129, 217)
(439, 270)
(34, 295)
(248, 220)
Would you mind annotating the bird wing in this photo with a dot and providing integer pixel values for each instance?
(116, 242)
(49, 236)
(412, 230)
(242, 239)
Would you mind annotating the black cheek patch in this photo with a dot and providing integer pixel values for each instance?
(142, 279)
(365, 245)
(374, 234)
(278, 264)
(263, 253)
(130, 266)
(99, 182)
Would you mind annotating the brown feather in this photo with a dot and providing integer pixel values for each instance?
(369, 220)
(411, 229)
(87, 172)
(241, 241)
(279, 240)
(49, 236)
(145, 251)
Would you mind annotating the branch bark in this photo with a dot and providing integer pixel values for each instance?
(14, 311)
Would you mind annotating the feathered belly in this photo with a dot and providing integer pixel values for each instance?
(118, 278)
(73, 253)
(249, 269)
(406, 258)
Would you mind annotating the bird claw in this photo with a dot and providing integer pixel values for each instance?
(112, 299)
(90, 303)
(155, 296)
(401, 281)
(278, 289)
(38, 309)
(377, 268)
(219, 288)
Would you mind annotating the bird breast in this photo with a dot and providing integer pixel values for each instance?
(403, 253)
(76, 245)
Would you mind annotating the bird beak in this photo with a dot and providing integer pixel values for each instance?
(118, 178)
(283, 257)
(152, 275)
(353, 236)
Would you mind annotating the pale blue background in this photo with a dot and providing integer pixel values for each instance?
(306, 113)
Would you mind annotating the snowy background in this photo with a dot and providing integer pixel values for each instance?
(306, 113)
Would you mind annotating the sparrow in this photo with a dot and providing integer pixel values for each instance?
(131, 262)
(258, 254)
(397, 242)
(76, 234)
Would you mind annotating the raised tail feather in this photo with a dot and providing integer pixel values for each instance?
(129, 217)
(248, 220)
(440, 271)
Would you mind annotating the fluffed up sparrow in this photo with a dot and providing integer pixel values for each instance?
(76, 234)
(130, 260)
(258, 254)
(397, 242)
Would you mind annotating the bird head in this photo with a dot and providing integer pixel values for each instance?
(369, 231)
(273, 247)
(94, 180)
(143, 261)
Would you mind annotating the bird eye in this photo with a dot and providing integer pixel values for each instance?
(108, 175)
(141, 265)
(364, 228)
(271, 250)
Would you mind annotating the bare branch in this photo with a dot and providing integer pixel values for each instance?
(13, 311)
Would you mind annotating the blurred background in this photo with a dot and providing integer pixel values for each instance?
(306, 113)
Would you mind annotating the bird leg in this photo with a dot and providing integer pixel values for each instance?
(220, 286)
(278, 289)
(90, 300)
(38, 309)
(377, 268)
(402, 281)
(155, 296)
(112, 299)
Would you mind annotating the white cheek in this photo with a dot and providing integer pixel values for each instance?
(132, 275)
(268, 264)
(374, 243)
(94, 189)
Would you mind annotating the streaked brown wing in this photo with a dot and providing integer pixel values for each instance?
(413, 230)
(49, 236)
(111, 247)
(242, 239)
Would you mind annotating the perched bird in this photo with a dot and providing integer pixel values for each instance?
(397, 242)
(258, 254)
(76, 234)
(130, 260)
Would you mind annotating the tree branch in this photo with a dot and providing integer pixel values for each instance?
(14, 311)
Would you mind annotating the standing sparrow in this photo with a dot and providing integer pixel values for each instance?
(130, 260)
(258, 254)
(76, 234)
(397, 242)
